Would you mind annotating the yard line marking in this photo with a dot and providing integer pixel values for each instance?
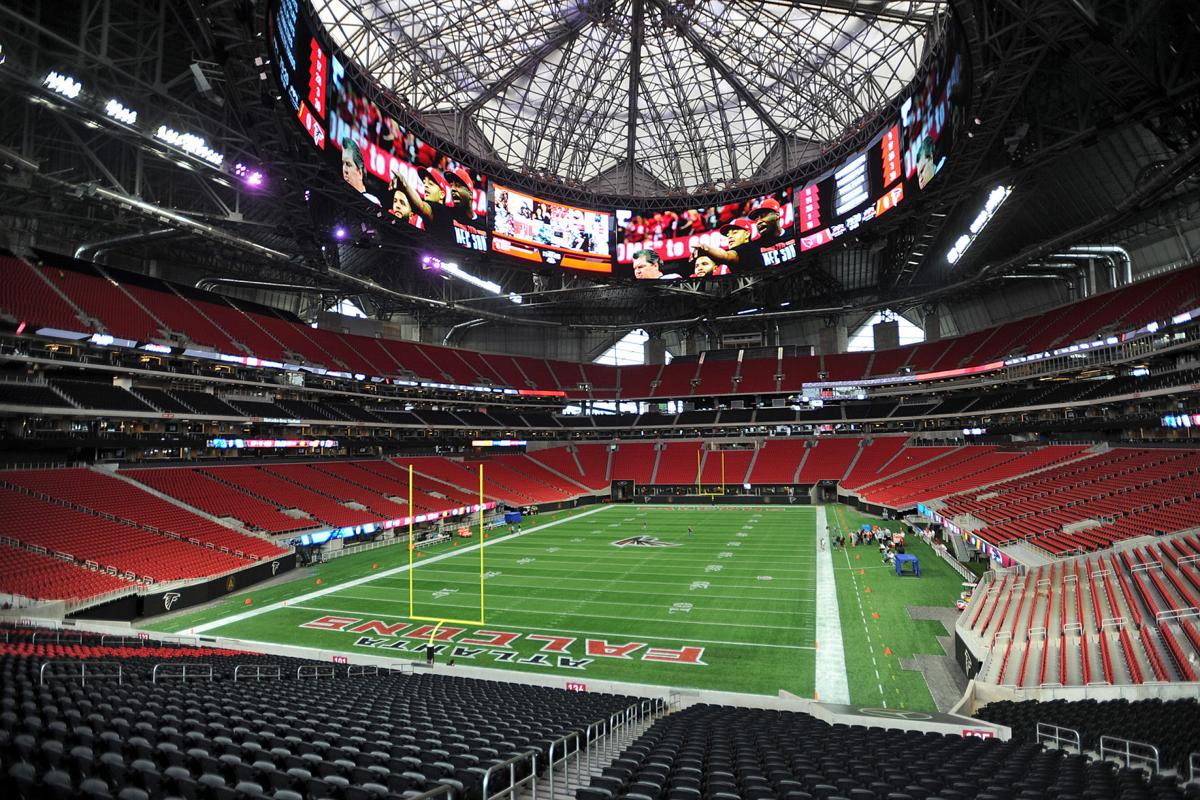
(589, 601)
(687, 639)
(207, 626)
(673, 619)
(785, 593)
(684, 569)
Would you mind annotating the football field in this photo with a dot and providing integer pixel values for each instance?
(620, 593)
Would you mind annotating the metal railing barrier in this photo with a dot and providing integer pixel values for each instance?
(258, 672)
(514, 785)
(96, 670)
(314, 671)
(1058, 737)
(563, 746)
(1129, 752)
(182, 671)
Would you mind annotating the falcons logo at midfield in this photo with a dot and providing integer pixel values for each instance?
(643, 541)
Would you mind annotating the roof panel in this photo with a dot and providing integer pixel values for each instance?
(547, 81)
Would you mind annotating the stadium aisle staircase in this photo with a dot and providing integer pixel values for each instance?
(192, 486)
(135, 553)
(39, 576)
(91, 490)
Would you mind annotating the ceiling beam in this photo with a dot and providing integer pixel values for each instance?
(573, 26)
(718, 64)
(637, 36)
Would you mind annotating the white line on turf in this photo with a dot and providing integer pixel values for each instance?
(626, 634)
(832, 685)
(802, 575)
(591, 601)
(785, 592)
(674, 620)
(244, 615)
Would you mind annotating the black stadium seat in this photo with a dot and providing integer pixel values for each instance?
(722, 753)
(359, 737)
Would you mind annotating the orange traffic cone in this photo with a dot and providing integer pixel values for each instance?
(874, 615)
(318, 581)
(868, 590)
(887, 651)
(247, 601)
(374, 566)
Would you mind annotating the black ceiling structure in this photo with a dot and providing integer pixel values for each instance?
(1089, 109)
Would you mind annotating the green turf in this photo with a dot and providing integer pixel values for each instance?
(742, 588)
(877, 621)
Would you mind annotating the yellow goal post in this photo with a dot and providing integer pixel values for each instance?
(411, 567)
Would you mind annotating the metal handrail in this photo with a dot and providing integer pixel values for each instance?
(76, 638)
(121, 641)
(550, 762)
(314, 671)
(1048, 733)
(83, 671)
(1194, 768)
(202, 671)
(260, 671)
(444, 788)
(361, 669)
(513, 783)
(1113, 746)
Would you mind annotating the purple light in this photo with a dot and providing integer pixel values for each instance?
(250, 176)
(340, 233)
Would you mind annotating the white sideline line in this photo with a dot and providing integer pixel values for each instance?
(244, 615)
(832, 686)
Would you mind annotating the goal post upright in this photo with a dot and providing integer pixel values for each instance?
(699, 475)
(411, 566)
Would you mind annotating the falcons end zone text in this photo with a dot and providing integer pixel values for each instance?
(564, 652)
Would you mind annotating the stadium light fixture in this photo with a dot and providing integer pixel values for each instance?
(340, 233)
(450, 268)
(62, 84)
(250, 176)
(994, 200)
(190, 143)
(115, 109)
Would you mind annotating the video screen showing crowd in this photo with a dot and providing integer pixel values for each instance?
(545, 232)
(406, 183)
(734, 238)
(411, 183)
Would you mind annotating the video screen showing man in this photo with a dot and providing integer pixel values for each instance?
(767, 224)
(354, 168)
(740, 254)
(648, 266)
(400, 207)
(445, 198)
(703, 266)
